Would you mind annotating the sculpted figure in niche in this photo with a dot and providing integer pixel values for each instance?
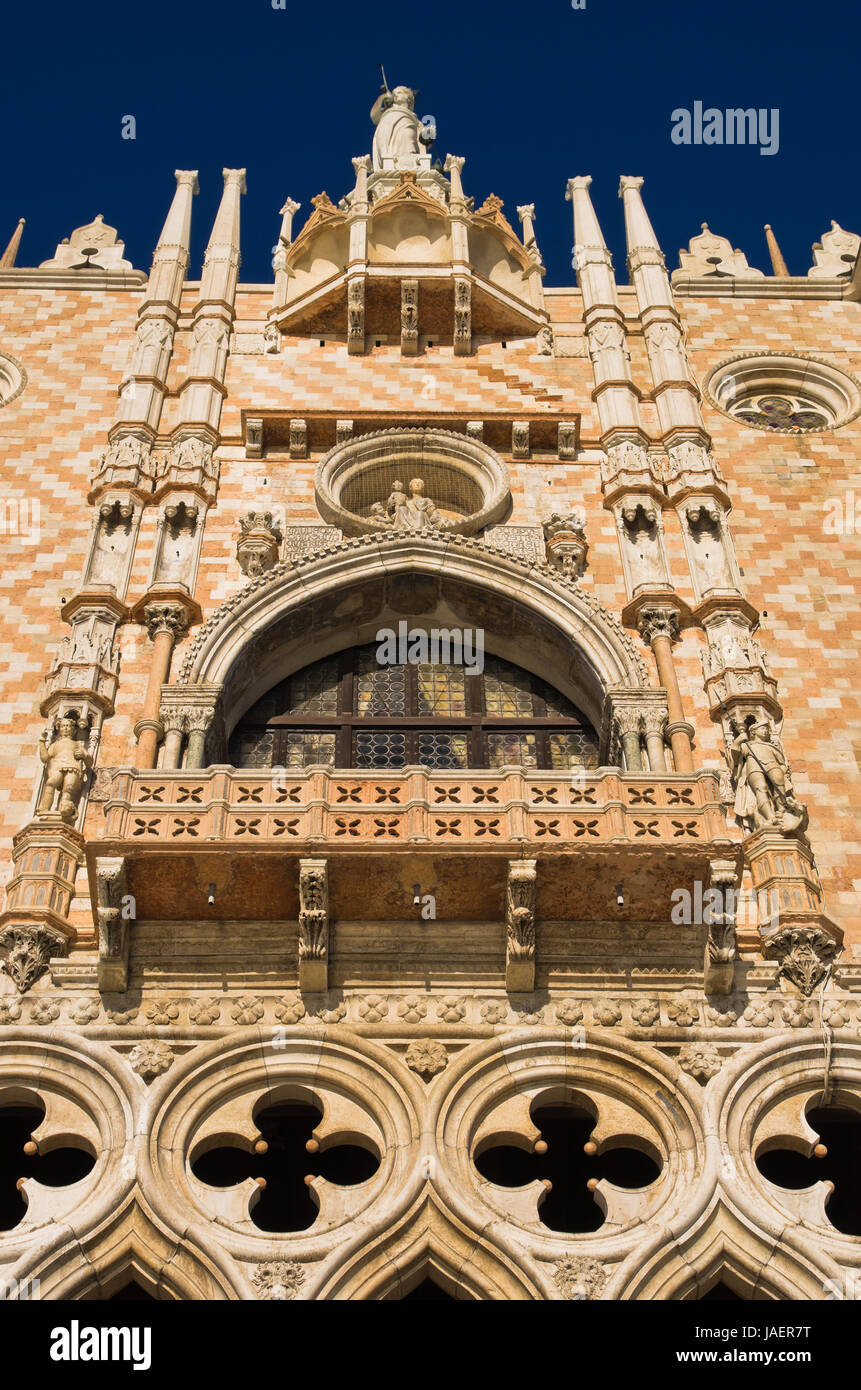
(410, 513)
(67, 760)
(764, 794)
(398, 129)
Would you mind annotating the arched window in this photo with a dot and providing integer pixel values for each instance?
(350, 711)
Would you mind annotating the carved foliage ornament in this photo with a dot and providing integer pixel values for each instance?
(30, 948)
(804, 955)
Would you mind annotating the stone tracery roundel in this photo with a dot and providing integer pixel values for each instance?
(412, 479)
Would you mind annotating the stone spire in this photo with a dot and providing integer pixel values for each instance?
(778, 264)
(221, 264)
(170, 258)
(7, 260)
(143, 391)
(201, 394)
(675, 394)
(616, 397)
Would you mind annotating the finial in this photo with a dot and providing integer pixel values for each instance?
(7, 260)
(778, 264)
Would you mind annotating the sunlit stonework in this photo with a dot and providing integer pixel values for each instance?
(333, 970)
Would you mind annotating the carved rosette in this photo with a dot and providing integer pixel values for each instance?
(804, 955)
(30, 947)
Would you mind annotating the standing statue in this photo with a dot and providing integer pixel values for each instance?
(399, 132)
(764, 794)
(67, 760)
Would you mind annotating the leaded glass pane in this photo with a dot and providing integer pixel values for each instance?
(512, 749)
(302, 747)
(575, 749)
(379, 748)
(507, 691)
(314, 690)
(252, 748)
(381, 690)
(441, 750)
(557, 705)
(441, 690)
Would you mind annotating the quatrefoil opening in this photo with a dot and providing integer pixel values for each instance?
(567, 1161)
(826, 1168)
(26, 1164)
(283, 1162)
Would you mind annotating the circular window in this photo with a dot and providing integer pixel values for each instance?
(412, 480)
(784, 393)
(13, 378)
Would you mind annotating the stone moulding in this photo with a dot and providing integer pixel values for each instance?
(610, 650)
(427, 1202)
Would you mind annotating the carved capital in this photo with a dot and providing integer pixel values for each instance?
(804, 955)
(30, 947)
(657, 622)
(165, 617)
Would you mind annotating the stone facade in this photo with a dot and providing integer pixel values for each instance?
(192, 942)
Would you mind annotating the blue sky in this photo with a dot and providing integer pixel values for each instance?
(530, 94)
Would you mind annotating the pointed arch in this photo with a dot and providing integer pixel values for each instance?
(430, 1241)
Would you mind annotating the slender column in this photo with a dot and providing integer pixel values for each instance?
(653, 724)
(173, 723)
(628, 721)
(165, 623)
(198, 721)
(359, 215)
(458, 216)
(659, 627)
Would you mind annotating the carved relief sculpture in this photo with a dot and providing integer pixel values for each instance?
(313, 924)
(763, 783)
(520, 925)
(67, 760)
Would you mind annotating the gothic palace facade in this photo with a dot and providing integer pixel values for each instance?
(430, 758)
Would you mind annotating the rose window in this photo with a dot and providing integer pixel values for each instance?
(783, 393)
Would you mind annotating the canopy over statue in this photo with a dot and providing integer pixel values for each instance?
(399, 133)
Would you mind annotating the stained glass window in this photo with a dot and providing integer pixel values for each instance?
(351, 711)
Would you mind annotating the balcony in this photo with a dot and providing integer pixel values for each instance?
(245, 832)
